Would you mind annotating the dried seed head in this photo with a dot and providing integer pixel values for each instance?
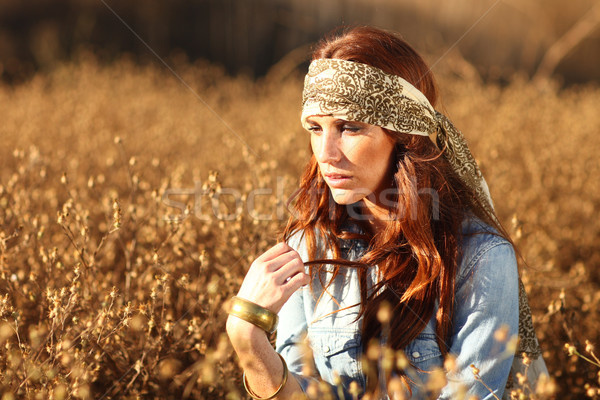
(514, 221)
(5, 331)
(313, 390)
(396, 388)
(384, 314)
(545, 386)
(117, 215)
(571, 350)
(60, 392)
(354, 388)
(307, 369)
(521, 378)
(475, 370)
(512, 344)
(137, 323)
(401, 360)
(337, 381)
(501, 334)
(437, 380)
(450, 363)
(589, 347)
(388, 359)
(168, 368)
(202, 257)
(373, 351)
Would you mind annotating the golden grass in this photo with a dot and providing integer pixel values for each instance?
(102, 296)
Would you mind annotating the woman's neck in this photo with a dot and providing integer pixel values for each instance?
(377, 217)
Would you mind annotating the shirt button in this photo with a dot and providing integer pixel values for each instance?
(416, 354)
(326, 349)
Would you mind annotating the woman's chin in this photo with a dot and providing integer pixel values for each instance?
(345, 197)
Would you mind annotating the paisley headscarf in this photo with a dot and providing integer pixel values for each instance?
(358, 92)
(354, 91)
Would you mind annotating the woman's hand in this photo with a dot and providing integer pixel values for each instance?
(273, 277)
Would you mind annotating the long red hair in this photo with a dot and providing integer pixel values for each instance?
(418, 251)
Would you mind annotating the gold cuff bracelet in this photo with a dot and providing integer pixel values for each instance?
(248, 311)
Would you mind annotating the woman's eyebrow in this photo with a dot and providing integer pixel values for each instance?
(336, 121)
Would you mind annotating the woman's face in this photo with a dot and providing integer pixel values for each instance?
(354, 158)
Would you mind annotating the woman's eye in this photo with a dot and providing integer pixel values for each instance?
(314, 128)
(350, 128)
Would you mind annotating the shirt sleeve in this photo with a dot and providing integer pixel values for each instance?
(291, 341)
(486, 318)
(291, 334)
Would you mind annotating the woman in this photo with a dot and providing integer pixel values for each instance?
(407, 263)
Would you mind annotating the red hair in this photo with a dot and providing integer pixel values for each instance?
(383, 50)
(417, 252)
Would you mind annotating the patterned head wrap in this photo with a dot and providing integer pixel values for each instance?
(358, 92)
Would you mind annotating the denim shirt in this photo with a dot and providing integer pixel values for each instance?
(486, 300)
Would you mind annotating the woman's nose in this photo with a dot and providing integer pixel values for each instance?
(327, 150)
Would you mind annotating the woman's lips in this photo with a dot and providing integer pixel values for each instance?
(337, 180)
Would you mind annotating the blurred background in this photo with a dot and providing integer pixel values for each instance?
(498, 37)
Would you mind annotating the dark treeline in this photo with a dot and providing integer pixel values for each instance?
(249, 36)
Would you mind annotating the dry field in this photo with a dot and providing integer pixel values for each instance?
(129, 212)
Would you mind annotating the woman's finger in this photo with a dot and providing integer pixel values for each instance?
(273, 252)
(278, 262)
(296, 281)
(292, 267)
